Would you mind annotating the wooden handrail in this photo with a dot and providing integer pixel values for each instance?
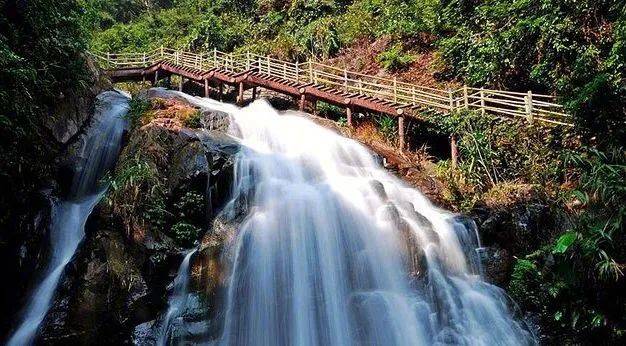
(532, 106)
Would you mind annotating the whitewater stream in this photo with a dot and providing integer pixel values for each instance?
(69, 215)
(335, 250)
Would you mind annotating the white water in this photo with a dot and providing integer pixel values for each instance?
(321, 258)
(69, 216)
(177, 301)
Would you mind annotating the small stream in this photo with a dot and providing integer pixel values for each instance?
(99, 153)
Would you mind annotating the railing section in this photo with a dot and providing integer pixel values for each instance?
(531, 106)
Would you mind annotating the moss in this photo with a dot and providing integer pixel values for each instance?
(193, 120)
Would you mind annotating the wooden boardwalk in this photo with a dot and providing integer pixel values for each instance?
(312, 81)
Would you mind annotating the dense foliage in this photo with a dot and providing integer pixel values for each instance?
(41, 46)
(574, 48)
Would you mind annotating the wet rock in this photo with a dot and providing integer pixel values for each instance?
(497, 265)
(518, 228)
(103, 292)
(379, 188)
(118, 280)
(410, 243)
(145, 334)
(220, 151)
(467, 234)
(72, 112)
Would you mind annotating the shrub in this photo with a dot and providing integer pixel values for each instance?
(388, 126)
(137, 109)
(190, 206)
(393, 59)
(185, 234)
(193, 120)
(329, 111)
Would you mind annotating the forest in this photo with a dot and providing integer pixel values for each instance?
(567, 269)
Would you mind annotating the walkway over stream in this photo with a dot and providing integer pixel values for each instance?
(312, 81)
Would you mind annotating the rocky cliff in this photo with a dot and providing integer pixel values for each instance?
(170, 179)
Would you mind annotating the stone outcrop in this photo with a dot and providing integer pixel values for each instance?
(169, 182)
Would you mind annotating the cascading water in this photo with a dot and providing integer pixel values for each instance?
(321, 258)
(70, 215)
(178, 299)
(334, 250)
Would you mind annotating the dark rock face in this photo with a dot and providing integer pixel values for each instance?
(497, 265)
(511, 231)
(119, 278)
(103, 290)
(26, 210)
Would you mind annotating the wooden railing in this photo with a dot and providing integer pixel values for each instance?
(531, 106)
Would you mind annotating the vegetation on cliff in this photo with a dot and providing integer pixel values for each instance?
(41, 62)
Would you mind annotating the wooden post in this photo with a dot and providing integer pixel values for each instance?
(482, 101)
(451, 99)
(310, 72)
(297, 72)
(254, 93)
(401, 142)
(206, 88)
(248, 60)
(144, 60)
(162, 52)
(156, 77)
(529, 106)
(285, 70)
(465, 97)
(349, 115)
(395, 89)
(215, 57)
(345, 79)
(269, 71)
(454, 150)
(240, 95)
(302, 102)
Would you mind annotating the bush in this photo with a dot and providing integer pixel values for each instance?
(388, 126)
(185, 234)
(137, 109)
(393, 59)
(329, 111)
(193, 120)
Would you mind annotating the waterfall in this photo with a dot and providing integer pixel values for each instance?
(70, 215)
(177, 301)
(335, 250)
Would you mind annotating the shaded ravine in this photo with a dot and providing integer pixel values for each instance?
(335, 250)
(69, 215)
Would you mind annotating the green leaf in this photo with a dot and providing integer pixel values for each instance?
(564, 242)
(558, 315)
